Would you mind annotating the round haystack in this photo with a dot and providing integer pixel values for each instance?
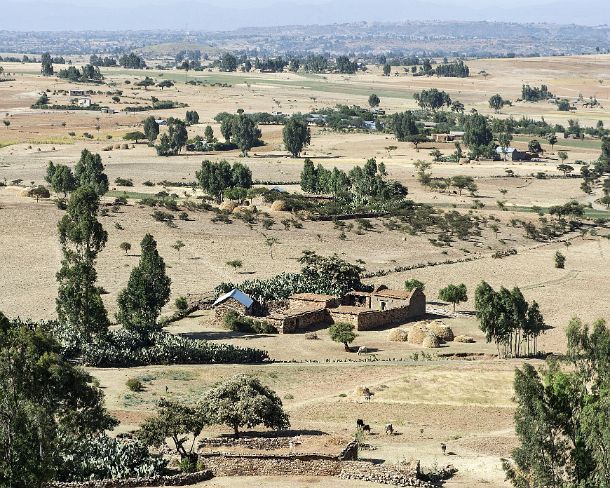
(465, 161)
(442, 331)
(431, 342)
(278, 206)
(124, 146)
(107, 148)
(464, 339)
(239, 209)
(117, 146)
(228, 206)
(398, 335)
(25, 192)
(417, 334)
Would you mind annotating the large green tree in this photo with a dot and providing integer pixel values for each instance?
(562, 419)
(47, 406)
(243, 401)
(151, 129)
(61, 178)
(89, 171)
(477, 133)
(296, 135)
(147, 291)
(215, 178)
(82, 237)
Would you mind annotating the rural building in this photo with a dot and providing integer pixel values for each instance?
(84, 102)
(78, 93)
(380, 308)
(364, 310)
(512, 154)
(237, 301)
(453, 136)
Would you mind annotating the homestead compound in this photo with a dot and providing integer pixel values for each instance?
(373, 310)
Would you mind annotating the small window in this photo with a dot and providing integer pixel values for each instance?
(382, 305)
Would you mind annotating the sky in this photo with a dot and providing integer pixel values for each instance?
(211, 15)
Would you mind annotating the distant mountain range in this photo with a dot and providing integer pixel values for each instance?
(64, 15)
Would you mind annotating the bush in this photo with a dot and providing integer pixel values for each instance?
(237, 323)
(123, 182)
(102, 457)
(134, 384)
(123, 348)
(181, 304)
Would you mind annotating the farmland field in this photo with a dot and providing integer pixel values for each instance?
(463, 401)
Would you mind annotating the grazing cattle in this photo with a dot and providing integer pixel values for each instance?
(367, 394)
(367, 429)
(359, 424)
(363, 350)
(389, 429)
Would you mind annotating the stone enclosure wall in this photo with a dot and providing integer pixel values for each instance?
(261, 465)
(176, 480)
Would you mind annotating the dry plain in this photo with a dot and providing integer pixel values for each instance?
(463, 403)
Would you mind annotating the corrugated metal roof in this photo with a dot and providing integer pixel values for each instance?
(236, 294)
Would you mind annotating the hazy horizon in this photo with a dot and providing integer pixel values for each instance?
(215, 15)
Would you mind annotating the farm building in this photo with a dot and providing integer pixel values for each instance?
(78, 93)
(453, 136)
(237, 301)
(365, 310)
(84, 102)
(512, 154)
(380, 308)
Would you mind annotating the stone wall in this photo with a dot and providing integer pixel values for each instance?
(268, 465)
(293, 322)
(255, 443)
(372, 319)
(387, 475)
(183, 479)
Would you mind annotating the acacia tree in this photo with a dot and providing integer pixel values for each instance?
(147, 291)
(296, 135)
(243, 401)
(82, 237)
(177, 422)
(48, 406)
(343, 333)
(454, 294)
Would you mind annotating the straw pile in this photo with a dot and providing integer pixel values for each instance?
(464, 339)
(398, 335)
(442, 331)
(228, 206)
(278, 206)
(417, 334)
(431, 342)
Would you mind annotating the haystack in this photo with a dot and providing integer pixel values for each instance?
(464, 339)
(398, 335)
(239, 209)
(417, 334)
(442, 331)
(278, 206)
(228, 206)
(431, 342)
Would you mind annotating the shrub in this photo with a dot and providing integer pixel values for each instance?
(134, 384)
(102, 457)
(123, 348)
(237, 323)
(123, 182)
(560, 260)
(181, 304)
